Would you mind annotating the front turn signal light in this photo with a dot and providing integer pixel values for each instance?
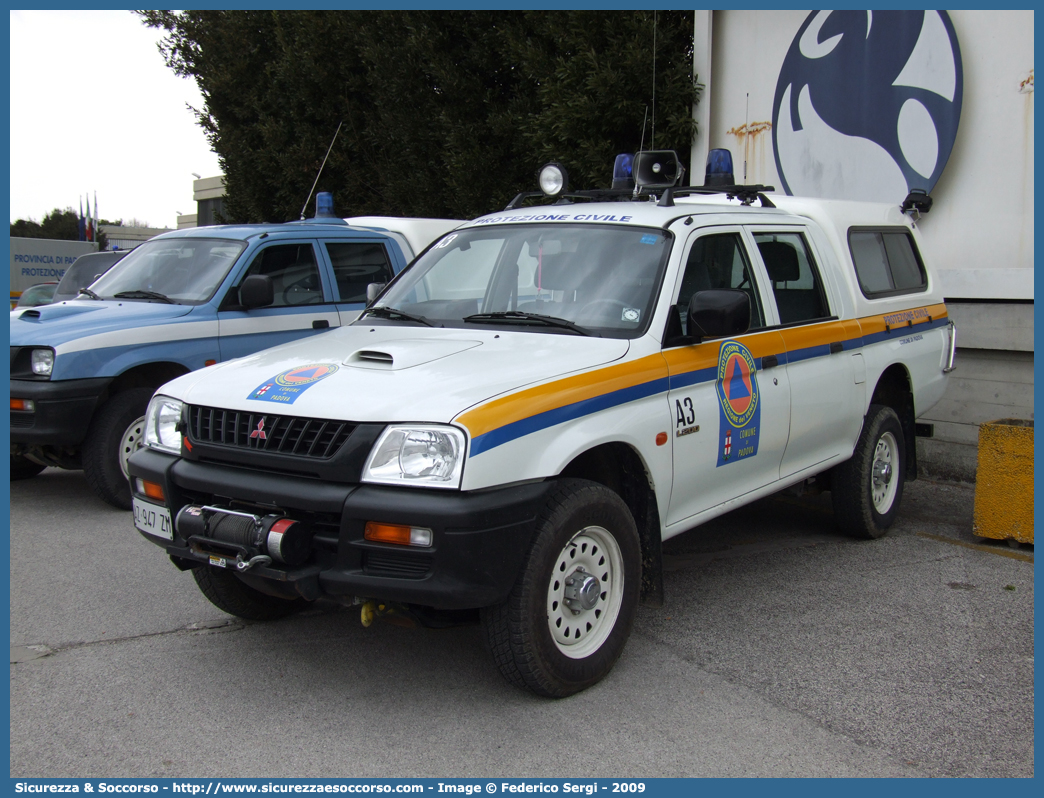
(396, 533)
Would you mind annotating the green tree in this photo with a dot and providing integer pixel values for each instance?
(58, 224)
(444, 113)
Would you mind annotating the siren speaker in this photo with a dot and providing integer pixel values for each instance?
(656, 168)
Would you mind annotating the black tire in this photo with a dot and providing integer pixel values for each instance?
(530, 633)
(866, 490)
(117, 426)
(24, 468)
(225, 591)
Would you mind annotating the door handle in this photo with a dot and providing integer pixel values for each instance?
(836, 347)
(320, 324)
(769, 361)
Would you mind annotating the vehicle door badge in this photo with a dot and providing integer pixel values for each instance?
(739, 404)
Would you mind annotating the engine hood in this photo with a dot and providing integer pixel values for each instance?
(53, 325)
(391, 373)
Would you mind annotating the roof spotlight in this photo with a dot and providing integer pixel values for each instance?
(553, 179)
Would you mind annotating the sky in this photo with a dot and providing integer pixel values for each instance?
(95, 110)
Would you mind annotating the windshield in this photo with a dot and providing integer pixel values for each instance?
(599, 279)
(185, 271)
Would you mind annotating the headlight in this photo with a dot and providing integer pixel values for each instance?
(161, 424)
(42, 362)
(423, 455)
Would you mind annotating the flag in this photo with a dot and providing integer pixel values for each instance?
(90, 227)
(80, 222)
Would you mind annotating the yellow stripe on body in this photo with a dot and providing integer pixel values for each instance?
(673, 362)
(869, 325)
(559, 393)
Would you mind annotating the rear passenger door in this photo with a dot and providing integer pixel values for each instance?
(354, 265)
(303, 301)
(825, 389)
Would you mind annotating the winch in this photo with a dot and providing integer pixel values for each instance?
(255, 539)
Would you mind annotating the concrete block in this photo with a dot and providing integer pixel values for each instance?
(1004, 485)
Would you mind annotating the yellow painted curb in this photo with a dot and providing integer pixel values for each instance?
(1004, 482)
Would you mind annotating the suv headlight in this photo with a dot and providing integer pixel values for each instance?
(425, 455)
(161, 424)
(42, 361)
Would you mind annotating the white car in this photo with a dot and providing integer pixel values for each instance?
(524, 414)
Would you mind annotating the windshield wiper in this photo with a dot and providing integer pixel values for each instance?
(392, 313)
(517, 315)
(89, 293)
(142, 294)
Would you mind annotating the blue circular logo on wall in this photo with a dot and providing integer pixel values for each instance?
(867, 104)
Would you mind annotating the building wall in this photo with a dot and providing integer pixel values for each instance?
(121, 237)
(42, 260)
(979, 233)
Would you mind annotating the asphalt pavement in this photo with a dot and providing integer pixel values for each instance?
(784, 649)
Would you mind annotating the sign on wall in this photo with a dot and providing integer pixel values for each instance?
(867, 104)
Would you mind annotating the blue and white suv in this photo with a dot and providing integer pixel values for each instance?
(82, 372)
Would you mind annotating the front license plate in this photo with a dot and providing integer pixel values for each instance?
(152, 519)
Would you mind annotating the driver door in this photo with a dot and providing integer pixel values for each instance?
(303, 302)
(730, 397)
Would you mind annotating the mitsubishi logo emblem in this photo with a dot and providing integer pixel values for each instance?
(259, 433)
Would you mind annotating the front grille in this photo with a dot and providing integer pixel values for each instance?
(305, 437)
(402, 566)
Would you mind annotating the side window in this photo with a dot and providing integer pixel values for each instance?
(355, 266)
(295, 276)
(886, 262)
(719, 261)
(795, 282)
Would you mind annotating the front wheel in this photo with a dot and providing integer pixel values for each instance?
(567, 619)
(867, 489)
(115, 434)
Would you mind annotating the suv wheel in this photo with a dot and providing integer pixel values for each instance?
(569, 615)
(867, 489)
(114, 435)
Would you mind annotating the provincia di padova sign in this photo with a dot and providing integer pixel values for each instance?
(867, 104)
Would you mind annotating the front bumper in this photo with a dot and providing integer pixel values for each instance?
(63, 410)
(479, 539)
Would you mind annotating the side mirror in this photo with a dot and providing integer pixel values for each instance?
(373, 290)
(256, 291)
(719, 313)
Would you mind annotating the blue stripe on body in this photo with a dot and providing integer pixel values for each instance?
(550, 418)
(570, 412)
(905, 330)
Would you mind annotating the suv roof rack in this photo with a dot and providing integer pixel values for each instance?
(745, 194)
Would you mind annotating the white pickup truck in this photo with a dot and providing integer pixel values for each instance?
(520, 418)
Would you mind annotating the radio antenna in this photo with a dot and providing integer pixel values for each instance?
(653, 143)
(328, 149)
(641, 147)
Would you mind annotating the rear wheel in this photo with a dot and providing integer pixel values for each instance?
(115, 434)
(226, 592)
(567, 619)
(24, 468)
(866, 490)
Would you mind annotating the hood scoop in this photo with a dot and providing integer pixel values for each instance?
(406, 353)
(370, 356)
(47, 312)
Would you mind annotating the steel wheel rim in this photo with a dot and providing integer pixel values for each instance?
(130, 442)
(884, 479)
(596, 551)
